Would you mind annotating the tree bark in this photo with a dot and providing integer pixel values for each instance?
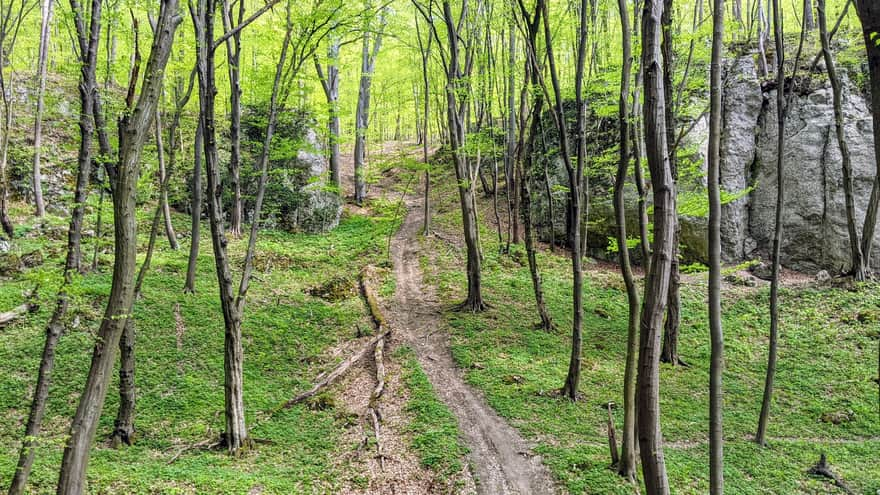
(45, 31)
(669, 350)
(330, 84)
(189, 286)
(233, 54)
(716, 365)
(134, 128)
(372, 42)
(657, 284)
(164, 175)
(764, 417)
(869, 13)
(627, 464)
(858, 269)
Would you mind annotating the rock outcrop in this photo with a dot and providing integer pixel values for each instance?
(312, 206)
(815, 229)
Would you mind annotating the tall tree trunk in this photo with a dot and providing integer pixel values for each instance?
(525, 176)
(235, 437)
(764, 417)
(425, 52)
(669, 349)
(456, 83)
(233, 54)
(372, 42)
(134, 128)
(189, 286)
(858, 269)
(330, 84)
(869, 14)
(716, 335)
(627, 465)
(809, 21)
(510, 152)
(45, 31)
(575, 173)
(55, 328)
(657, 284)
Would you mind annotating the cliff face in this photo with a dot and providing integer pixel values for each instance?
(814, 232)
(814, 224)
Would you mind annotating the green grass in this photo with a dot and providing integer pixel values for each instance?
(433, 428)
(828, 359)
(287, 334)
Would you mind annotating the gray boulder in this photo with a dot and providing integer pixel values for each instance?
(314, 207)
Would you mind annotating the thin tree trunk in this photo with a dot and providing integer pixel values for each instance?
(627, 465)
(164, 175)
(425, 51)
(657, 284)
(330, 84)
(362, 114)
(764, 417)
(55, 328)
(233, 54)
(669, 349)
(456, 82)
(858, 270)
(45, 31)
(716, 365)
(509, 155)
(189, 286)
(133, 132)
(869, 13)
(809, 21)
(526, 209)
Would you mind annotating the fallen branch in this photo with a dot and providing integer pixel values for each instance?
(29, 306)
(334, 375)
(379, 358)
(823, 469)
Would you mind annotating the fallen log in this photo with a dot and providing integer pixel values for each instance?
(379, 359)
(334, 375)
(29, 306)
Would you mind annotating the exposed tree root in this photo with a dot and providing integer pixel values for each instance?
(334, 375)
(823, 469)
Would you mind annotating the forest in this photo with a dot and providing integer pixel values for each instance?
(439, 246)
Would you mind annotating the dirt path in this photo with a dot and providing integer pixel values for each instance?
(502, 460)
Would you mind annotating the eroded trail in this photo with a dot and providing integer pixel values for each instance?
(502, 460)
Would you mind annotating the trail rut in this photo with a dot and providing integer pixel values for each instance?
(502, 460)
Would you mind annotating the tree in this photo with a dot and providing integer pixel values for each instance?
(372, 42)
(12, 15)
(657, 284)
(869, 14)
(313, 28)
(858, 268)
(457, 92)
(425, 55)
(716, 365)
(669, 349)
(134, 128)
(189, 286)
(627, 466)
(781, 108)
(45, 32)
(330, 84)
(233, 57)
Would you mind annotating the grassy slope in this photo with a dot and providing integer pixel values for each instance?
(180, 392)
(827, 360)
